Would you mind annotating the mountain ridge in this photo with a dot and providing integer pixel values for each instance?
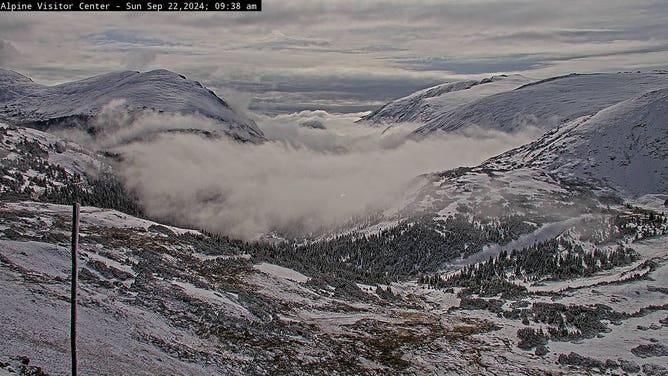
(623, 146)
(514, 103)
(425, 104)
(547, 103)
(571, 265)
(77, 103)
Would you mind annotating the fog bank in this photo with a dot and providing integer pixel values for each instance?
(317, 170)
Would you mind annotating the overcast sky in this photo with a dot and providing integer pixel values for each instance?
(339, 54)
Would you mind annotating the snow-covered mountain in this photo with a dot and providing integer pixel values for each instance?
(24, 102)
(619, 153)
(513, 103)
(426, 105)
(624, 147)
(534, 262)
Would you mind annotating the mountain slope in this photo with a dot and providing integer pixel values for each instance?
(155, 299)
(41, 166)
(624, 146)
(574, 174)
(514, 102)
(617, 154)
(14, 85)
(77, 103)
(427, 104)
(547, 103)
(572, 271)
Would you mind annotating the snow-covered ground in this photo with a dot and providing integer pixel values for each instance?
(91, 216)
(71, 156)
(655, 202)
(152, 304)
(157, 299)
(545, 232)
(281, 272)
(622, 146)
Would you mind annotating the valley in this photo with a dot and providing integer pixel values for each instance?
(549, 258)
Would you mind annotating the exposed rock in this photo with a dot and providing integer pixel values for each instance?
(611, 364)
(646, 351)
(654, 370)
(541, 350)
(578, 360)
(629, 366)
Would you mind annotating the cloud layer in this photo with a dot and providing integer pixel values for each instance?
(138, 60)
(7, 52)
(303, 181)
(345, 55)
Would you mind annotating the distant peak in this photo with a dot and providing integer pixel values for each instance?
(77, 103)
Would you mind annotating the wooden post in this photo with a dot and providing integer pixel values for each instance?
(73, 312)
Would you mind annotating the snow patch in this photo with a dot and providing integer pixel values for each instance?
(281, 272)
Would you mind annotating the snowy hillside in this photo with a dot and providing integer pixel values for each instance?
(157, 299)
(513, 102)
(547, 103)
(41, 166)
(77, 103)
(426, 105)
(17, 142)
(534, 262)
(161, 300)
(14, 85)
(571, 176)
(573, 172)
(624, 146)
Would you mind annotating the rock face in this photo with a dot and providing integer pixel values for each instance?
(24, 102)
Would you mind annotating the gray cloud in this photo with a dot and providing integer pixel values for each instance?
(477, 66)
(343, 92)
(138, 59)
(7, 52)
(568, 36)
(516, 62)
(14, 25)
(280, 41)
(305, 53)
(123, 36)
